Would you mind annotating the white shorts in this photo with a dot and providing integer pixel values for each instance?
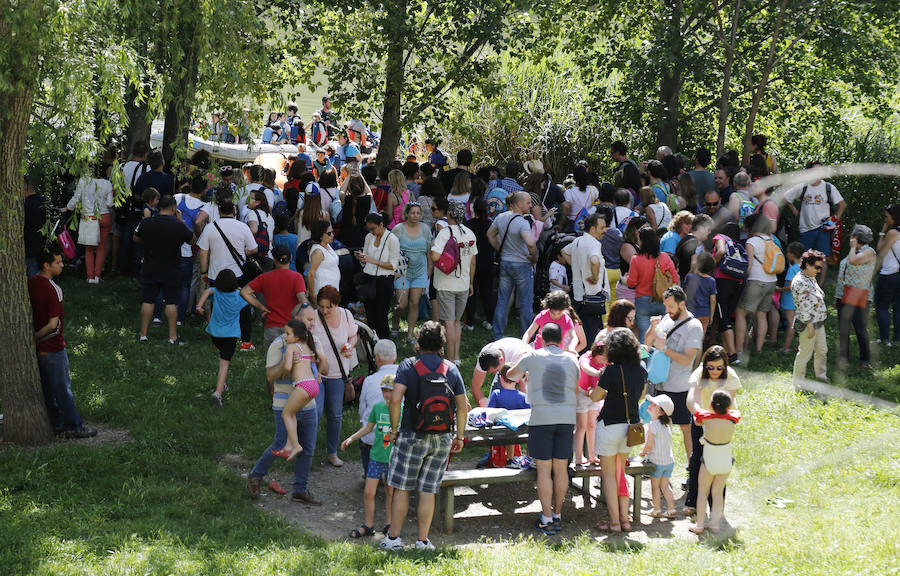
(611, 440)
(585, 404)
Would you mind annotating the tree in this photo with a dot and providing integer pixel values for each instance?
(413, 53)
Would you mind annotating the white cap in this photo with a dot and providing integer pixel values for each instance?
(664, 402)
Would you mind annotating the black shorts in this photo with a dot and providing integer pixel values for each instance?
(681, 415)
(151, 289)
(552, 441)
(225, 346)
(727, 297)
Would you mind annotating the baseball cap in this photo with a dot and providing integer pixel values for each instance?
(387, 383)
(312, 189)
(664, 402)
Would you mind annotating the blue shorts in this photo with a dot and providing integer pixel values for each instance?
(551, 441)
(817, 240)
(664, 471)
(405, 282)
(377, 470)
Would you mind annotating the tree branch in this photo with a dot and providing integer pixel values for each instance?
(800, 36)
(712, 105)
(462, 66)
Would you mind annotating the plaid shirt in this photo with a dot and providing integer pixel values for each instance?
(508, 184)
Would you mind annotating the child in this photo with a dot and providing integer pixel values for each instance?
(559, 279)
(380, 455)
(150, 197)
(224, 323)
(284, 238)
(718, 430)
(298, 358)
(511, 399)
(591, 363)
(795, 253)
(658, 450)
(557, 309)
(700, 288)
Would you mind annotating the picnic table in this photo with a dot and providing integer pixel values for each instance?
(499, 435)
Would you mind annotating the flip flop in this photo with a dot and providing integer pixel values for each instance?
(671, 513)
(283, 453)
(607, 527)
(275, 487)
(626, 526)
(698, 530)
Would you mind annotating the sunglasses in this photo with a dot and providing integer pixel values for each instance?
(714, 368)
(712, 204)
(413, 204)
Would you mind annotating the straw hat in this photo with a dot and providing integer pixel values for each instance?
(534, 167)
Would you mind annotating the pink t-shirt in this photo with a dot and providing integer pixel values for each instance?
(585, 380)
(565, 322)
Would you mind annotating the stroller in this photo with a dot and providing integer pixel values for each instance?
(364, 355)
(549, 245)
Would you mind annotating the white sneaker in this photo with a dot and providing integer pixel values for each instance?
(389, 543)
(487, 325)
(426, 545)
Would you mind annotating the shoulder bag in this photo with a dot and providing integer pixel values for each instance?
(349, 391)
(853, 296)
(658, 368)
(502, 243)
(594, 304)
(250, 268)
(635, 435)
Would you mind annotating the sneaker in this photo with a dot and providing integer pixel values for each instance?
(247, 347)
(216, 399)
(487, 325)
(178, 341)
(484, 461)
(468, 327)
(557, 523)
(80, 433)
(143, 339)
(734, 359)
(389, 543)
(157, 321)
(423, 544)
(178, 323)
(548, 529)
(335, 461)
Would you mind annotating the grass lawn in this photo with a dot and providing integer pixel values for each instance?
(815, 489)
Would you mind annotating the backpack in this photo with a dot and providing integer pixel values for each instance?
(319, 133)
(262, 235)
(672, 196)
(623, 223)
(188, 216)
(773, 261)
(662, 280)
(579, 220)
(734, 261)
(496, 202)
(449, 258)
(745, 210)
(433, 412)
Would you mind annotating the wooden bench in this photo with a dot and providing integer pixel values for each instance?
(478, 477)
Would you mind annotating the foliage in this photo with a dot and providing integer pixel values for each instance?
(162, 504)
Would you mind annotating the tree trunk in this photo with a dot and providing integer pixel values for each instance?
(138, 123)
(726, 77)
(25, 415)
(182, 90)
(670, 83)
(763, 82)
(393, 87)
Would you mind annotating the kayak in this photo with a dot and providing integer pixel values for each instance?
(230, 152)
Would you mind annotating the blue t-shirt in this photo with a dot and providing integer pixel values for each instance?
(305, 157)
(407, 376)
(289, 240)
(669, 241)
(510, 399)
(661, 191)
(698, 289)
(224, 322)
(349, 151)
(787, 298)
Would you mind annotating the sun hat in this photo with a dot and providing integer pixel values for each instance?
(534, 167)
(664, 402)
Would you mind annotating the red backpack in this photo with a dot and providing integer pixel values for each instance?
(434, 406)
(449, 259)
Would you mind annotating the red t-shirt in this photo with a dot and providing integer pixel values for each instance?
(642, 269)
(280, 287)
(46, 303)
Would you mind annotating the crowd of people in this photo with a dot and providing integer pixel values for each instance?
(647, 288)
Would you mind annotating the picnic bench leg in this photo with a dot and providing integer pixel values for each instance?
(636, 511)
(447, 501)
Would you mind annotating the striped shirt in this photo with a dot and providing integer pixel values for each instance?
(661, 453)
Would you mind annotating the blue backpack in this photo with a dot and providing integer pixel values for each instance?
(188, 216)
(496, 202)
(734, 262)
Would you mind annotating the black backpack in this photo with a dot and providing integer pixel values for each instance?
(434, 406)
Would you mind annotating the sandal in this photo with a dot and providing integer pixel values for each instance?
(656, 513)
(607, 527)
(698, 530)
(671, 513)
(688, 511)
(626, 526)
(366, 531)
(385, 529)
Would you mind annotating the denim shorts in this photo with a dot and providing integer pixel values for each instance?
(405, 282)
(817, 240)
(663, 471)
(377, 470)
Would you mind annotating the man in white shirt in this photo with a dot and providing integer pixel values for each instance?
(214, 256)
(816, 199)
(242, 196)
(589, 280)
(370, 392)
(453, 289)
(490, 359)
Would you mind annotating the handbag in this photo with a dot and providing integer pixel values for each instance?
(853, 296)
(635, 435)
(250, 267)
(65, 242)
(662, 280)
(89, 231)
(365, 283)
(349, 391)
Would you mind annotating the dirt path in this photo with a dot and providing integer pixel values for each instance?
(498, 513)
